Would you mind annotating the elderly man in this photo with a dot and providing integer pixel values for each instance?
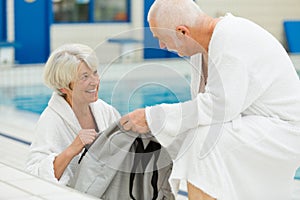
(240, 133)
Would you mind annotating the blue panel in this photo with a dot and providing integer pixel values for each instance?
(292, 32)
(3, 20)
(151, 45)
(32, 30)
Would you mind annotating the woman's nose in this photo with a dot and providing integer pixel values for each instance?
(95, 79)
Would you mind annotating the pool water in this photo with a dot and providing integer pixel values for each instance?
(123, 98)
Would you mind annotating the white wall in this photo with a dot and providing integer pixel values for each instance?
(97, 34)
(269, 14)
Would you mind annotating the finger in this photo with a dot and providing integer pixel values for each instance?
(88, 140)
(124, 120)
(82, 139)
(93, 133)
(89, 132)
(87, 137)
(142, 129)
(127, 126)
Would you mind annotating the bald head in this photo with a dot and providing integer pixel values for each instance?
(171, 13)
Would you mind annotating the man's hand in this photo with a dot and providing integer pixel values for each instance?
(135, 121)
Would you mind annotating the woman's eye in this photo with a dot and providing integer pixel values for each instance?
(84, 77)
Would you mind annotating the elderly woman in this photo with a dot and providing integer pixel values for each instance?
(74, 114)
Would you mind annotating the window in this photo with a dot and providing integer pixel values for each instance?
(69, 11)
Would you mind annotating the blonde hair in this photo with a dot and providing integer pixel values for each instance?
(62, 65)
(171, 13)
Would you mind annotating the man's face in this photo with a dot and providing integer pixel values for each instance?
(166, 37)
(173, 40)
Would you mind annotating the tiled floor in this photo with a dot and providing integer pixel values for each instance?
(16, 184)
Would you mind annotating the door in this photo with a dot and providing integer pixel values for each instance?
(151, 45)
(32, 30)
(2, 20)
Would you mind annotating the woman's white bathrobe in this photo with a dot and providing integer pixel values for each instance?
(56, 130)
(240, 139)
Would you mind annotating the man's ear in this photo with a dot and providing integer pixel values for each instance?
(182, 30)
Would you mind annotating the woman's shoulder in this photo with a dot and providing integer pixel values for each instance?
(104, 113)
(49, 117)
(102, 103)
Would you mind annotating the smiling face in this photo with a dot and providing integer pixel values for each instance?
(84, 89)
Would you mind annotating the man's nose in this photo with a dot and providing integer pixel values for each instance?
(162, 45)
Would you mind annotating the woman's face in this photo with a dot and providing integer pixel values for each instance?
(85, 86)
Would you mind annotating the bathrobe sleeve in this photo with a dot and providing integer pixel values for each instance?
(229, 90)
(51, 138)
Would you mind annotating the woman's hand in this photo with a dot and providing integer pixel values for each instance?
(84, 137)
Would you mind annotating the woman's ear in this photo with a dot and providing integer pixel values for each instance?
(63, 90)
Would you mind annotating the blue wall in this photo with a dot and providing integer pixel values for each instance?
(32, 31)
(3, 33)
(292, 33)
(151, 44)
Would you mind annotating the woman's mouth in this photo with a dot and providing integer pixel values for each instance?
(91, 91)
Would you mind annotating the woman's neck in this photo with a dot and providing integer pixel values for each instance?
(85, 117)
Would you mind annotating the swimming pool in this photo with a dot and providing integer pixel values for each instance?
(126, 87)
(132, 91)
(35, 98)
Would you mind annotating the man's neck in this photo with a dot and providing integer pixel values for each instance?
(204, 29)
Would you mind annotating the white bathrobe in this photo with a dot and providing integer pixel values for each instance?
(240, 139)
(56, 130)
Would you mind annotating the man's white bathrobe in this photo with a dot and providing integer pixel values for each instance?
(240, 139)
(56, 130)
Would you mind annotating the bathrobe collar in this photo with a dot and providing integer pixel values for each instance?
(59, 105)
